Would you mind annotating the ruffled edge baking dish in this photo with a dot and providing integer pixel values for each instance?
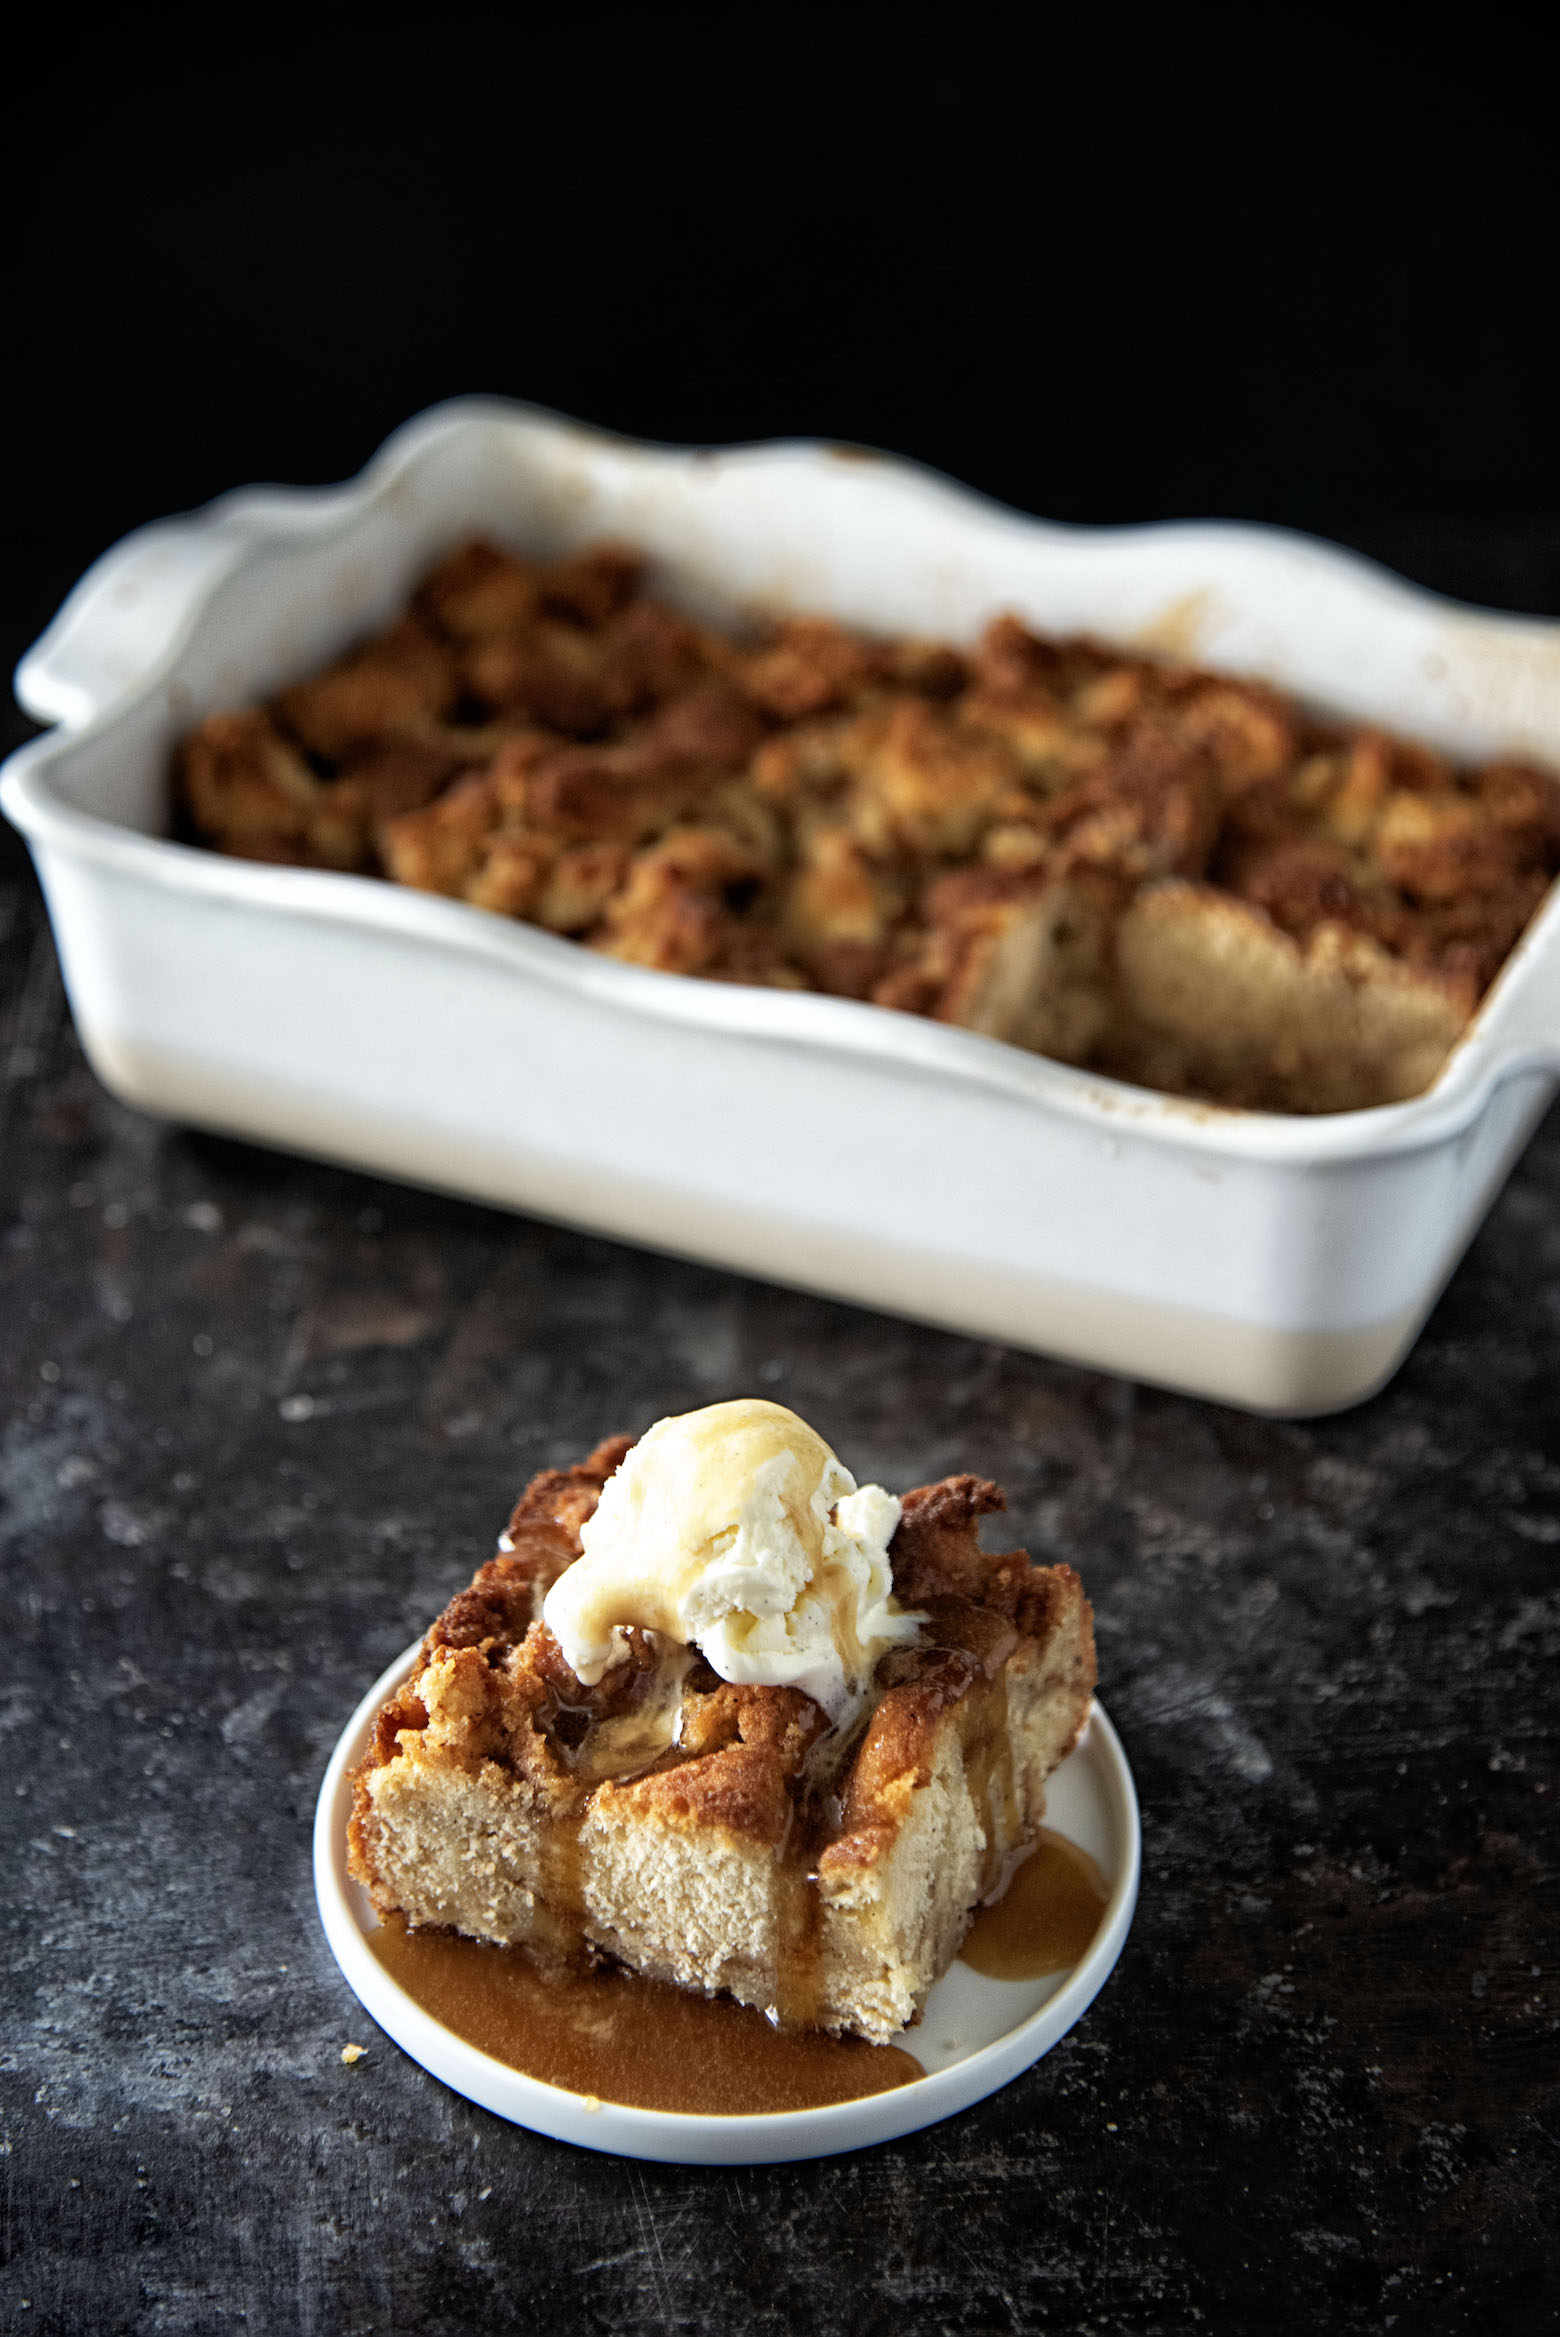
(1283, 1264)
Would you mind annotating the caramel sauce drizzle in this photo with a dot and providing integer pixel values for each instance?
(798, 1943)
(591, 1748)
(988, 1765)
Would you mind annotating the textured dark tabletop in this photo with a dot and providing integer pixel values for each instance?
(259, 1418)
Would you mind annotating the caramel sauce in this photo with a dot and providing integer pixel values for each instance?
(798, 1941)
(1046, 1918)
(643, 1735)
(988, 1766)
(611, 2035)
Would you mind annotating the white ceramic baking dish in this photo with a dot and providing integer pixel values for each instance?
(1282, 1264)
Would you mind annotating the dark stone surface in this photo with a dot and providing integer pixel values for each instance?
(260, 1417)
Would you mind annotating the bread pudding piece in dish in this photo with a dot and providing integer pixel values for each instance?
(1154, 871)
(820, 1860)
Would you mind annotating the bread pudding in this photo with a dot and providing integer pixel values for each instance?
(808, 1828)
(1166, 875)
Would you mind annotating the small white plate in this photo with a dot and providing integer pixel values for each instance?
(975, 2035)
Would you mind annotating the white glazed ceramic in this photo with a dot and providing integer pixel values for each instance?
(1280, 1263)
(975, 2036)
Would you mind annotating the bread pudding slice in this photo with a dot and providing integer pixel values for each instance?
(718, 1836)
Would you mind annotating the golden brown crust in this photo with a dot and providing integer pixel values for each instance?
(961, 835)
(497, 1610)
(405, 676)
(743, 1759)
(567, 1497)
(981, 1607)
(936, 1551)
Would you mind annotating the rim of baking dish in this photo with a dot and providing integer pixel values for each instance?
(249, 521)
(684, 2137)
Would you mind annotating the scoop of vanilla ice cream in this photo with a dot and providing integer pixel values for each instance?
(735, 1529)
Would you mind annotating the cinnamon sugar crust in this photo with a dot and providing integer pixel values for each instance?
(1160, 872)
(719, 1836)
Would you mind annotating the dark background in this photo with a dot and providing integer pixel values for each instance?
(258, 1418)
(1304, 276)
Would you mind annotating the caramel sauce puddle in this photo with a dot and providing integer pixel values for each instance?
(609, 2034)
(1045, 1920)
(617, 2037)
